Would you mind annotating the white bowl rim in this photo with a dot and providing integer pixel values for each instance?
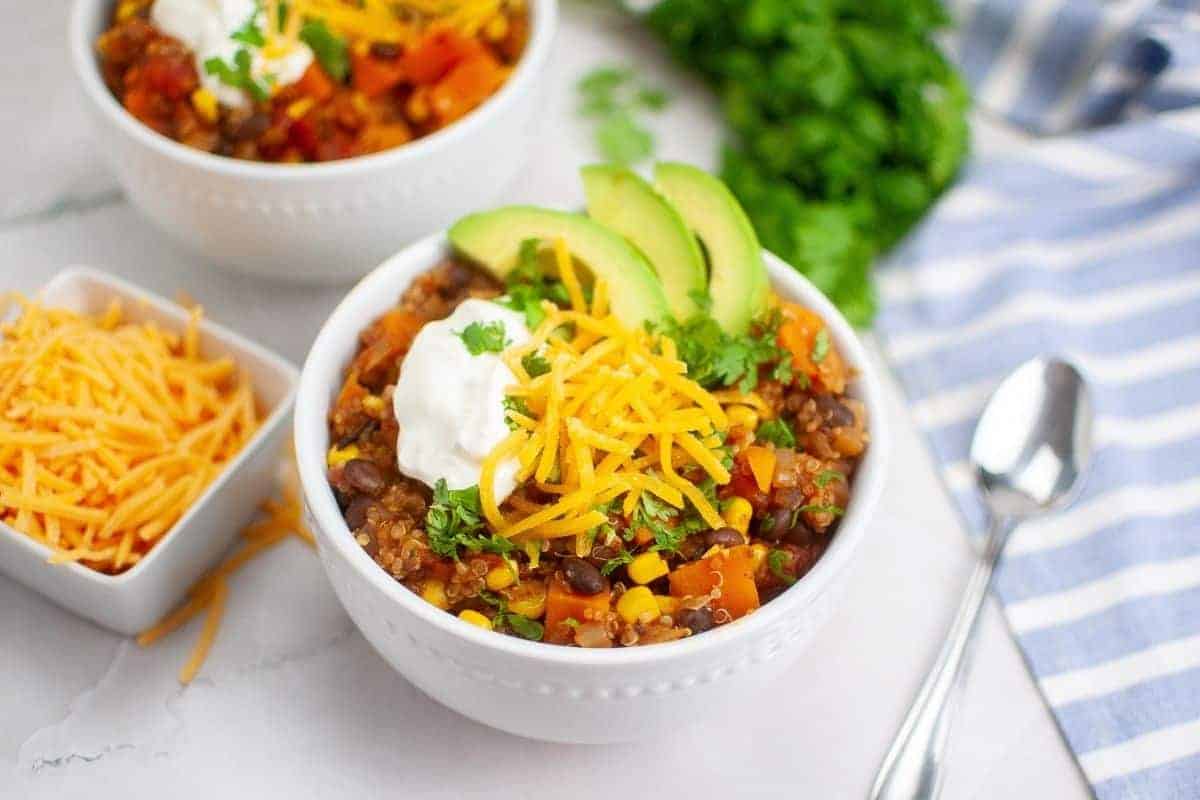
(87, 69)
(310, 418)
(216, 331)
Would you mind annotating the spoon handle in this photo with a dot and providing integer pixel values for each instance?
(913, 766)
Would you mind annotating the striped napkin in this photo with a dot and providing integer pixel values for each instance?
(1086, 244)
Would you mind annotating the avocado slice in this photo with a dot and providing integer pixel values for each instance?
(737, 283)
(620, 199)
(493, 240)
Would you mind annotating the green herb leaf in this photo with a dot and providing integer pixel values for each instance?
(776, 560)
(455, 520)
(238, 75)
(622, 140)
(527, 285)
(777, 432)
(525, 627)
(535, 365)
(716, 358)
(483, 337)
(836, 511)
(820, 346)
(329, 49)
(250, 33)
(828, 476)
(614, 97)
(517, 405)
(702, 299)
(619, 560)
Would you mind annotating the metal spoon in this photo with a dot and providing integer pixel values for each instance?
(1030, 449)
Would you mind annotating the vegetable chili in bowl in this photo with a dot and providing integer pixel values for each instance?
(307, 80)
(510, 448)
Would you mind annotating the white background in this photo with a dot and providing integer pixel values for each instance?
(293, 702)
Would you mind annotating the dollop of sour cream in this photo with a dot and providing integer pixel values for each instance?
(450, 404)
(207, 27)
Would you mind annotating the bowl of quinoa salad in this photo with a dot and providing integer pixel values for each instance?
(675, 548)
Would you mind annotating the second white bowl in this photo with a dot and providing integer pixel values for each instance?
(315, 222)
(546, 691)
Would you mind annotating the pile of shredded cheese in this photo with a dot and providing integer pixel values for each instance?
(110, 430)
(615, 416)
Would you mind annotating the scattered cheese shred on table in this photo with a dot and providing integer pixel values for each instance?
(110, 429)
(614, 415)
(208, 595)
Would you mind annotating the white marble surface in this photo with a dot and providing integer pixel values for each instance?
(293, 702)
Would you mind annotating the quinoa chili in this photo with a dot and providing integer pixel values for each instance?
(310, 80)
(793, 443)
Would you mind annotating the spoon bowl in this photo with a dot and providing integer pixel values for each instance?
(1033, 442)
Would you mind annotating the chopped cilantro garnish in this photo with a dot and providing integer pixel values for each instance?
(238, 75)
(619, 560)
(330, 50)
(483, 337)
(535, 365)
(518, 406)
(455, 520)
(716, 358)
(820, 346)
(776, 559)
(527, 286)
(828, 476)
(836, 511)
(519, 624)
(777, 432)
(250, 33)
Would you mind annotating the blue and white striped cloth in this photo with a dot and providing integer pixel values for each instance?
(1087, 245)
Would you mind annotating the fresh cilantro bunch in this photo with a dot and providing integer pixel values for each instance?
(455, 520)
(845, 122)
(716, 358)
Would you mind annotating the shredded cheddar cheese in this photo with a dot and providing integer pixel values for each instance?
(614, 417)
(110, 430)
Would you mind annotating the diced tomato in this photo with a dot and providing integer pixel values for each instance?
(303, 135)
(169, 75)
(373, 76)
(435, 55)
(467, 85)
(315, 83)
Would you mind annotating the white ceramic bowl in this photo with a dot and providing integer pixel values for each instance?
(315, 222)
(135, 599)
(546, 691)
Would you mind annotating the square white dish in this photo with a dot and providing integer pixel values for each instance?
(135, 599)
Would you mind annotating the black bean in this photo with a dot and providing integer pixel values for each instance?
(775, 524)
(800, 534)
(251, 127)
(364, 476)
(384, 50)
(834, 412)
(356, 511)
(723, 537)
(582, 577)
(697, 619)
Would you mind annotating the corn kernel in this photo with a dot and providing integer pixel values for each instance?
(533, 549)
(127, 9)
(758, 554)
(638, 604)
(475, 618)
(533, 606)
(496, 29)
(205, 103)
(737, 514)
(417, 107)
(296, 110)
(743, 417)
(666, 604)
(500, 577)
(647, 567)
(340, 455)
(371, 402)
(433, 591)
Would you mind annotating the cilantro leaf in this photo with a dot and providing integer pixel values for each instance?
(777, 432)
(817, 508)
(527, 285)
(250, 33)
(614, 96)
(517, 405)
(519, 624)
(535, 365)
(329, 49)
(455, 520)
(621, 139)
(716, 358)
(619, 560)
(483, 337)
(828, 476)
(238, 75)
(776, 559)
(820, 346)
